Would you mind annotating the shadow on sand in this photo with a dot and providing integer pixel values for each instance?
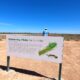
(24, 71)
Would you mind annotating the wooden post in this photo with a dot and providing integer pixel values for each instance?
(8, 62)
(60, 70)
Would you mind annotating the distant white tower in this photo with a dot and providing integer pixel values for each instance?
(45, 32)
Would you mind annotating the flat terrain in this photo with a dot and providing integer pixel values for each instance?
(28, 69)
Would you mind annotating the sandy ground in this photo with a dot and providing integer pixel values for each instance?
(29, 69)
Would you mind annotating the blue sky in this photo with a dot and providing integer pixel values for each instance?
(58, 16)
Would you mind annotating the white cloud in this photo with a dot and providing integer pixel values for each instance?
(5, 24)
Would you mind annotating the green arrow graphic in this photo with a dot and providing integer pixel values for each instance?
(48, 48)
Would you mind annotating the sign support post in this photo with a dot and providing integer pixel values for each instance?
(60, 70)
(8, 62)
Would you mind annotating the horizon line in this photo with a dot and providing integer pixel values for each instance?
(34, 33)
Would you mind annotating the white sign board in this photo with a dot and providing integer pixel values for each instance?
(44, 48)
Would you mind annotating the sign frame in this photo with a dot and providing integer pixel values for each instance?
(60, 64)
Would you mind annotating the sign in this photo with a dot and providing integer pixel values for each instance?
(44, 48)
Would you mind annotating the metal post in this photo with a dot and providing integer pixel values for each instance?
(60, 70)
(8, 62)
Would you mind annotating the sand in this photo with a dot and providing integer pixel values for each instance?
(29, 69)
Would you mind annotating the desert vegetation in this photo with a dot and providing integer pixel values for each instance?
(67, 37)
